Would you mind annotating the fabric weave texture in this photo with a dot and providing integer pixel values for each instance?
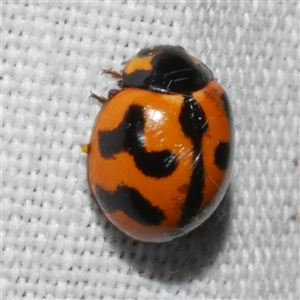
(56, 243)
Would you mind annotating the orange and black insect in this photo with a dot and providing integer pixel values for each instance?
(161, 150)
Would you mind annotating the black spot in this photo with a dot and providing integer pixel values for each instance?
(222, 155)
(132, 203)
(173, 71)
(129, 136)
(155, 164)
(192, 120)
(194, 125)
(226, 104)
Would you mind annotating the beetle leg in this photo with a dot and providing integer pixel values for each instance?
(101, 99)
(113, 74)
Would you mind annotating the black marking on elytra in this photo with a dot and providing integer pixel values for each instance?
(222, 155)
(132, 203)
(194, 125)
(226, 104)
(129, 136)
(173, 71)
(192, 120)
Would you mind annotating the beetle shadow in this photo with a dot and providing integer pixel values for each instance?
(181, 259)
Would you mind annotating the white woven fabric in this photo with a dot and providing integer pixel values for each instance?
(56, 243)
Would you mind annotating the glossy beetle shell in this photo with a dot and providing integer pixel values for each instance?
(160, 153)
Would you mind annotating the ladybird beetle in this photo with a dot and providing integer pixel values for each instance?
(160, 153)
